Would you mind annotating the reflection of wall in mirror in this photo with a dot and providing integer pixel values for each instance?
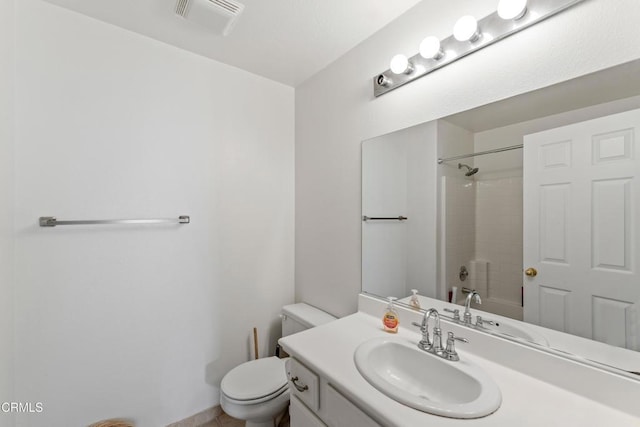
(394, 256)
(384, 183)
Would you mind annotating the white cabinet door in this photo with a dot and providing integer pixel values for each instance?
(582, 228)
(301, 416)
(340, 412)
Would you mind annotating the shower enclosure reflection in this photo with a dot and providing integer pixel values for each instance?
(481, 221)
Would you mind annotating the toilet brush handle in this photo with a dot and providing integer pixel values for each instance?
(299, 387)
(255, 342)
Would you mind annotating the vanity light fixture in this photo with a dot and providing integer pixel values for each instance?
(466, 29)
(400, 65)
(430, 48)
(512, 9)
(383, 80)
(469, 35)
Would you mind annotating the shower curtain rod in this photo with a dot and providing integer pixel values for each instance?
(481, 153)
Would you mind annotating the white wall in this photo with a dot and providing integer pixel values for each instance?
(335, 111)
(6, 204)
(142, 321)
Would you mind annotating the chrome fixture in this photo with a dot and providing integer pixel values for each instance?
(456, 314)
(450, 352)
(469, 171)
(299, 387)
(480, 321)
(52, 221)
(425, 343)
(467, 305)
(481, 153)
(464, 273)
(384, 218)
(435, 347)
(469, 35)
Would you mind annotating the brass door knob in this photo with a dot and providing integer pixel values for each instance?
(531, 272)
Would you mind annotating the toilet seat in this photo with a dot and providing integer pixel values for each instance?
(255, 381)
(266, 398)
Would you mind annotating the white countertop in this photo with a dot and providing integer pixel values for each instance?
(526, 401)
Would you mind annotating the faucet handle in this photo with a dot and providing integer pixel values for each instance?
(456, 313)
(418, 325)
(480, 321)
(450, 352)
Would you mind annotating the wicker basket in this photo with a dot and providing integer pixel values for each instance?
(113, 423)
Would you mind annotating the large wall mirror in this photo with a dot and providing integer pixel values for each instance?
(533, 202)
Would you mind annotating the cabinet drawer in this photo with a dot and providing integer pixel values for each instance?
(304, 384)
(340, 412)
(301, 416)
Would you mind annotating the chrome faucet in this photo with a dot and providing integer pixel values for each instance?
(425, 342)
(435, 347)
(467, 305)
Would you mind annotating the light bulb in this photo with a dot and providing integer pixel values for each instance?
(430, 48)
(512, 9)
(400, 65)
(466, 29)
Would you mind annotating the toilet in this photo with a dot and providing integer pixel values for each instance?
(257, 391)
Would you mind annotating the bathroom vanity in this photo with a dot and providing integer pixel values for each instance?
(537, 387)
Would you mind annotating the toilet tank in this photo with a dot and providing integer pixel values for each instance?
(301, 316)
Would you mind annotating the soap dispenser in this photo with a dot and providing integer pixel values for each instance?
(390, 319)
(414, 302)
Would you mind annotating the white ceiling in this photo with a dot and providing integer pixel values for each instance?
(284, 40)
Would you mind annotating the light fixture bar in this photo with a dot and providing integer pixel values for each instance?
(492, 28)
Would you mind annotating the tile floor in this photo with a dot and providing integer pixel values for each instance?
(225, 420)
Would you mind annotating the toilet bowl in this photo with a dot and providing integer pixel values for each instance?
(257, 391)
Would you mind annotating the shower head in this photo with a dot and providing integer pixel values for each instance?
(469, 171)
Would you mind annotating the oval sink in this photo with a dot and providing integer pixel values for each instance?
(425, 381)
(517, 331)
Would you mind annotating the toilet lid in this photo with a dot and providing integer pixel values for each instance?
(255, 379)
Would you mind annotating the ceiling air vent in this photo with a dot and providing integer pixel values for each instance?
(219, 16)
